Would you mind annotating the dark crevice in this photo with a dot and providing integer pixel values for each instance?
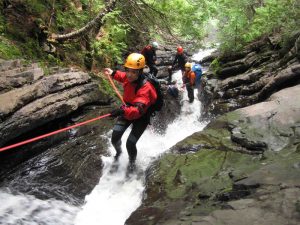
(15, 156)
(238, 191)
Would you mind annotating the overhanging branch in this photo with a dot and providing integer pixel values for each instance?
(97, 21)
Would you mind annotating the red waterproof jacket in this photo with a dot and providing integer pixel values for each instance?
(150, 55)
(138, 101)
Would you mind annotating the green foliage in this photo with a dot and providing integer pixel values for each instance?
(243, 21)
(36, 6)
(275, 15)
(215, 66)
(2, 24)
(69, 17)
(8, 50)
(105, 86)
(110, 46)
(134, 22)
(186, 18)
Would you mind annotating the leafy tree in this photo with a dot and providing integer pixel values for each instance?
(106, 29)
(243, 21)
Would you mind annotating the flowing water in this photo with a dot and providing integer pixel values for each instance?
(116, 196)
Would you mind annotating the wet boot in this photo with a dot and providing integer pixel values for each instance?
(115, 164)
(131, 168)
(118, 149)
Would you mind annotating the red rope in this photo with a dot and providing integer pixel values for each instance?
(115, 88)
(52, 133)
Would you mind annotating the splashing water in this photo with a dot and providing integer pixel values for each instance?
(28, 210)
(202, 54)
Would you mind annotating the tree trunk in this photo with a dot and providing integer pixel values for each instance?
(98, 20)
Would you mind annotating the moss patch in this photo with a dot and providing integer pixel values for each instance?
(207, 170)
(8, 50)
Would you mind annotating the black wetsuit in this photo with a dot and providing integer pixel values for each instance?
(180, 60)
(150, 57)
(138, 127)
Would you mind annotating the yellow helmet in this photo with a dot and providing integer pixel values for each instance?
(188, 65)
(135, 61)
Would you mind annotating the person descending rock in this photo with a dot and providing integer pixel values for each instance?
(139, 95)
(149, 52)
(180, 60)
(189, 79)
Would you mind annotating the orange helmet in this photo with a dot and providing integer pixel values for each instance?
(135, 61)
(179, 49)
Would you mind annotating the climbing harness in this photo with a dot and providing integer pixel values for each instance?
(52, 133)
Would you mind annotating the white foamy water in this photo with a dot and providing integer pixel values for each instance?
(202, 53)
(28, 210)
(116, 196)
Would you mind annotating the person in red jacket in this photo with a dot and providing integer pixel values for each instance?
(139, 94)
(149, 52)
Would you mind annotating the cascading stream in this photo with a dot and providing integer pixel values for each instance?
(116, 196)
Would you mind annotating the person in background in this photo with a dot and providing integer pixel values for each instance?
(180, 60)
(189, 79)
(139, 95)
(149, 52)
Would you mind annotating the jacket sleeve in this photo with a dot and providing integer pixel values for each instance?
(145, 97)
(119, 76)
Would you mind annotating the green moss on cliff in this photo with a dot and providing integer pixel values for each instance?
(8, 50)
(205, 171)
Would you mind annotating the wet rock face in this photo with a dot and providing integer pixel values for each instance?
(32, 104)
(66, 166)
(250, 76)
(165, 57)
(29, 99)
(169, 112)
(244, 166)
(269, 125)
(220, 176)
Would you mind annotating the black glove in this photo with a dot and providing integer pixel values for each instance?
(116, 112)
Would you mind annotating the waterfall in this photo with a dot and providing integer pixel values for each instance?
(116, 197)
